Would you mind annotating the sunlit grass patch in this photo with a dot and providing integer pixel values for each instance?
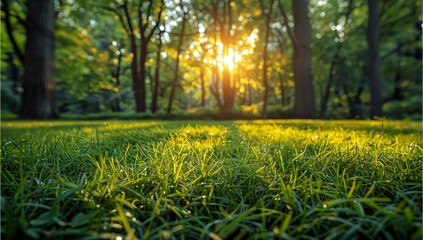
(218, 180)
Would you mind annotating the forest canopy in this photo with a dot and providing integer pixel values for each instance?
(227, 58)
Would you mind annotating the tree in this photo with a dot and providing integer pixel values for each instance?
(268, 15)
(224, 32)
(373, 34)
(38, 99)
(333, 64)
(155, 95)
(185, 15)
(148, 20)
(304, 103)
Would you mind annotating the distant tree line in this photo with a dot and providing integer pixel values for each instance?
(269, 58)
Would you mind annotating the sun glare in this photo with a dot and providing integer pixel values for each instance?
(230, 60)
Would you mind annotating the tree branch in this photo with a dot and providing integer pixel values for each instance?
(122, 21)
(9, 30)
(159, 16)
(285, 22)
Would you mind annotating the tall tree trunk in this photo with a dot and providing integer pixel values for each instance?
(134, 69)
(226, 85)
(141, 94)
(325, 96)
(176, 76)
(116, 74)
(203, 88)
(373, 34)
(397, 95)
(38, 99)
(228, 81)
(156, 77)
(282, 86)
(250, 93)
(268, 14)
(139, 68)
(134, 63)
(304, 94)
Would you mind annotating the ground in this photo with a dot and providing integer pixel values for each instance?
(211, 180)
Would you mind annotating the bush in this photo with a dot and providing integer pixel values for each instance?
(410, 108)
(10, 101)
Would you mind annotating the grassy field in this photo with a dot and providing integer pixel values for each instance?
(211, 180)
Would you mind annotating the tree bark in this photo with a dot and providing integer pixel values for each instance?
(203, 88)
(373, 34)
(134, 62)
(282, 87)
(268, 15)
(304, 106)
(140, 93)
(156, 77)
(38, 99)
(9, 31)
(116, 74)
(397, 95)
(325, 96)
(176, 76)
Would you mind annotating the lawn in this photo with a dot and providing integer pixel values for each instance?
(211, 180)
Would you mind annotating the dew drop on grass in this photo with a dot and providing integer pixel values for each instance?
(325, 206)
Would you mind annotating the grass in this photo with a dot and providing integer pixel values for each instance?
(211, 180)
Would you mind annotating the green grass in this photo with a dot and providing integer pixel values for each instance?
(211, 180)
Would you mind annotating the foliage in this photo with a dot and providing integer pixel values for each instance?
(9, 101)
(202, 180)
(90, 38)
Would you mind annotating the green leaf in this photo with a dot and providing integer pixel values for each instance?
(44, 219)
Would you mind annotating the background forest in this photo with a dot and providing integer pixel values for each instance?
(212, 58)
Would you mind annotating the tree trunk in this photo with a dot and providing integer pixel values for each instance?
(304, 93)
(325, 97)
(373, 34)
(38, 99)
(226, 87)
(116, 74)
(282, 86)
(250, 93)
(136, 84)
(140, 93)
(266, 41)
(156, 77)
(203, 88)
(397, 95)
(176, 76)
